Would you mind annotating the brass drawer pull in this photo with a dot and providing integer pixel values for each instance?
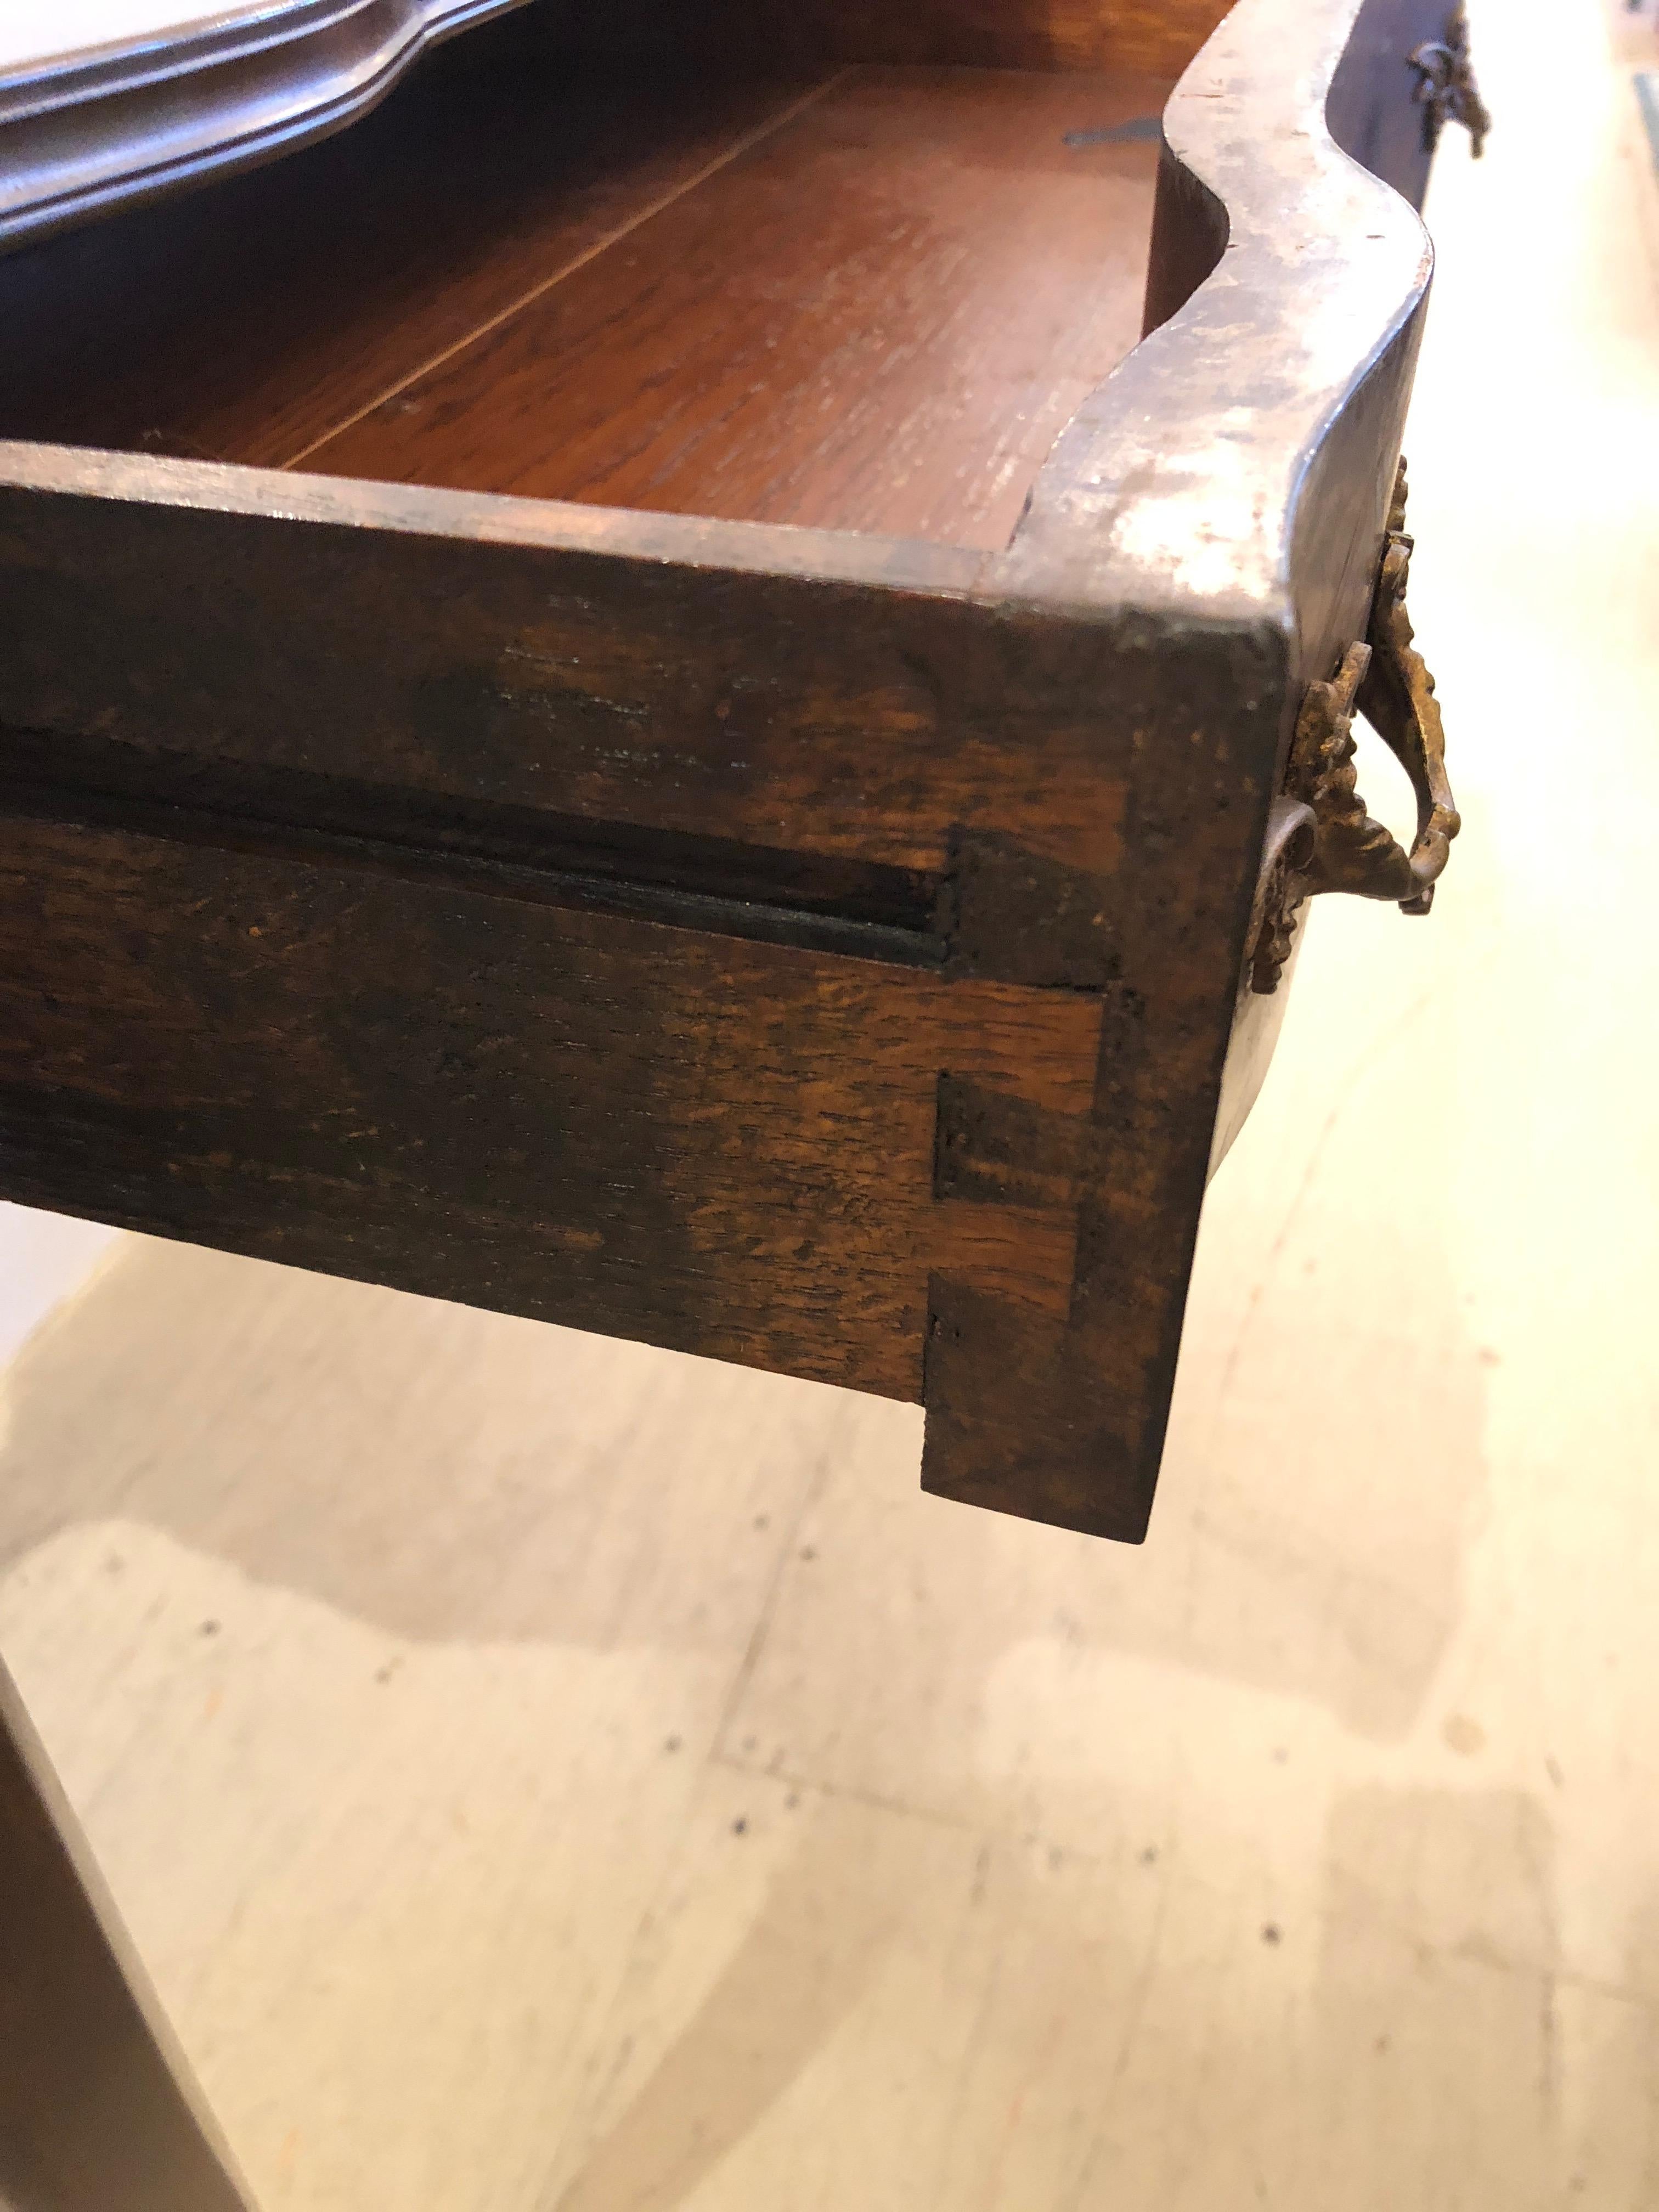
(1384, 677)
(1446, 89)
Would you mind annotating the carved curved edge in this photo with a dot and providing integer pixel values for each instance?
(1176, 488)
(128, 122)
(1236, 469)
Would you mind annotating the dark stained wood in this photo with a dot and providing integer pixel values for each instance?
(879, 316)
(1077, 1438)
(819, 949)
(1190, 236)
(1280, 543)
(96, 2111)
(822, 951)
(244, 322)
(441, 1065)
(626, 1127)
(851, 749)
(137, 103)
(1372, 111)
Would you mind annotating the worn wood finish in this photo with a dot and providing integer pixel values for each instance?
(1372, 111)
(652, 1096)
(467, 1087)
(1311, 421)
(879, 316)
(648, 886)
(962, 878)
(1129, 507)
(810, 744)
(96, 2110)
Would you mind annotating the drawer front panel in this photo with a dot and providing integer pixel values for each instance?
(837, 722)
(725, 1147)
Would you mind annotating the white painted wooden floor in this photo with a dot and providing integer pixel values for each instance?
(549, 1776)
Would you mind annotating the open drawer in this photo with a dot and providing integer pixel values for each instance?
(624, 696)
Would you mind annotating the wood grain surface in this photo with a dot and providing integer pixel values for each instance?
(244, 321)
(657, 919)
(1303, 1858)
(462, 750)
(842, 747)
(878, 316)
(724, 1147)
(868, 302)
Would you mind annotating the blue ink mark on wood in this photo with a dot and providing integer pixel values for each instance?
(1144, 127)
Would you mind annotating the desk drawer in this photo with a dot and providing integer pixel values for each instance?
(627, 697)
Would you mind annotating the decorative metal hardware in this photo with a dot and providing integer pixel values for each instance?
(1384, 677)
(1446, 89)
(1281, 887)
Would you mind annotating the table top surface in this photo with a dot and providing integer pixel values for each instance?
(43, 39)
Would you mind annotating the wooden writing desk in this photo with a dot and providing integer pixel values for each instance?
(624, 696)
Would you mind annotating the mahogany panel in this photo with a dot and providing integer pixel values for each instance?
(878, 317)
